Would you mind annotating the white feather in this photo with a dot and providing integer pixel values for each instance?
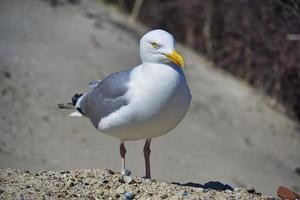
(158, 100)
(75, 114)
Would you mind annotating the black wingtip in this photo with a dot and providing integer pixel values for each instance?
(75, 98)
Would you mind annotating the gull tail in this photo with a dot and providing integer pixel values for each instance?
(75, 114)
(65, 106)
(75, 105)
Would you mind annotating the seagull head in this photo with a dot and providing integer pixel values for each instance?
(158, 46)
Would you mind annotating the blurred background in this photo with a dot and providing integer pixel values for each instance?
(242, 65)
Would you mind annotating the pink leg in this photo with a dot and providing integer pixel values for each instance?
(147, 152)
(122, 153)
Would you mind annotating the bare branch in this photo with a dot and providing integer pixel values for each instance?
(135, 11)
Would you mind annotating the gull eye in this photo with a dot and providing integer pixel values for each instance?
(154, 45)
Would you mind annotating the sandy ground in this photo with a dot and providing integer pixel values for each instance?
(230, 134)
(107, 185)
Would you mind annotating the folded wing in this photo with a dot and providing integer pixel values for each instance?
(107, 96)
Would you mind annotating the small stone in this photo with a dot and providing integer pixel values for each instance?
(90, 175)
(70, 183)
(286, 193)
(60, 196)
(99, 193)
(111, 172)
(228, 191)
(121, 180)
(49, 193)
(164, 196)
(65, 172)
(145, 180)
(120, 190)
(125, 172)
(107, 187)
(104, 181)
(129, 195)
(43, 172)
(79, 178)
(238, 189)
(251, 190)
(21, 197)
(219, 197)
(128, 179)
(184, 193)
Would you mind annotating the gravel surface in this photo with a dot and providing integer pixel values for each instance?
(104, 184)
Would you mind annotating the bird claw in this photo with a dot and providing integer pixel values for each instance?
(125, 172)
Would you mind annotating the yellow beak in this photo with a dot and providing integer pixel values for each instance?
(176, 58)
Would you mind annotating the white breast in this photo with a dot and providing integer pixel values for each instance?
(158, 100)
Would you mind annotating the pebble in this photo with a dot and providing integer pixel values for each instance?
(221, 198)
(129, 195)
(70, 183)
(128, 179)
(184, 193)
(164, 196)
(121, 180)
(238, 189)
(65, 172)
(99, 192)
(126, 172)
(105, 181)
(120, 190)
(251, 190)
(111, 172)
(21, 197)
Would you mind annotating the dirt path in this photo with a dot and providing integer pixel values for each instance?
(46, 54)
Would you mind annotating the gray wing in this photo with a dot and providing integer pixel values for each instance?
(106, 97)
(94, 83)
